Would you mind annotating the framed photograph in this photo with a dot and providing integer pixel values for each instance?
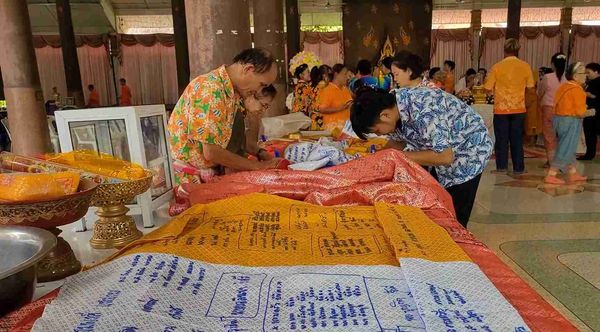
(84, 137)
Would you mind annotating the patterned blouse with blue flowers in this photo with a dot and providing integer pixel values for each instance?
(435, 120)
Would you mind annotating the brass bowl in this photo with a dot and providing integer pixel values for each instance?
(60, 261)
(50, 213)
(114, 228)
(121, 192)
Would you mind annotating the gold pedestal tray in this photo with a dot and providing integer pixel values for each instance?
(61, 261)
(114, 228)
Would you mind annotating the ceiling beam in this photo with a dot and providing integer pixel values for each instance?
(109, 11)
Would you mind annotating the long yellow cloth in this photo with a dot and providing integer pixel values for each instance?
(265, 230)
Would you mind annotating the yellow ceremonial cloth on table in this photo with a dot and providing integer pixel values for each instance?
(266, 230)
(20, 187)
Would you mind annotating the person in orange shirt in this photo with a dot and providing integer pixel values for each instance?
(335, 99)
(508, 81)
(94, 98)
(125, 93)
(449, 81)
(569, 110)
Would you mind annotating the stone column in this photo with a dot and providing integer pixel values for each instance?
(292, 20)
(217, 30)
(181, 44)
(268, 34)
(476, 31)
(25, 102)
(69, 52)
(513, 27)
(566, 23)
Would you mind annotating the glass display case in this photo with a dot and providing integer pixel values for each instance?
(137, 134)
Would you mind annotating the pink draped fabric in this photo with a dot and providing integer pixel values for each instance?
(586, 49)
(151, 73)
(326, 45)
(52, 70)
(95, 69)
(491, 53)
(538, 52)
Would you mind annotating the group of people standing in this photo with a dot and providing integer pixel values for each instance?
(325, 93)
(563, 102)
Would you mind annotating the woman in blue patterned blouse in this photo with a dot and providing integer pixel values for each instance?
(432, 127)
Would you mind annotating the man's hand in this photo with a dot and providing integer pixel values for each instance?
(590, 95)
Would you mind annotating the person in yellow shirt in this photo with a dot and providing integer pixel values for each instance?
(335, 99)
(508, 81)
(569, 110)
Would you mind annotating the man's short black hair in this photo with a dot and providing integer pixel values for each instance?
(593, 66)
(387, 62)
(470, 71)
(364, 67)
(261, 59)
(450, 64)
(406, 60)
(367, 108)
(432, 71)
(91, 87)
(123, 80)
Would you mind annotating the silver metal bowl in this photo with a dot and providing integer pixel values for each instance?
(20, 249)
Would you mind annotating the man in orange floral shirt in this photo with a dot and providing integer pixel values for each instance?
(508, 80)
(202, 123)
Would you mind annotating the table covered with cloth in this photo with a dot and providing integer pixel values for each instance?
(384, 178)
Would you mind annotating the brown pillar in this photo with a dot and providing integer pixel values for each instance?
(292, 20)
(566, 23)
(268, 34)
(26, 115)
(217, 30)
(513, 26)
(476, 33)
(69, 52)
(181, 45)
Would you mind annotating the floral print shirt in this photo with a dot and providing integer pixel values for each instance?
(435, 120)
(304, 98)
(205, 113)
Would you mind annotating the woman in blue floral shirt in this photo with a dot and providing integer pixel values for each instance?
(433, 128)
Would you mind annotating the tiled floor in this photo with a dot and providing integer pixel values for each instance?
(550, 235)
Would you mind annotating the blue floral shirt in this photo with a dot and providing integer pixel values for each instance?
(435, 120)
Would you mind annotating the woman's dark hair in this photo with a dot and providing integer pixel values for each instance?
(432, 71)
(261, 59)
(269, 91)
(571, 70)
(325, 70)
(299, 70)
(406, 60)
(367, 108)
(450, 64)
(559, 60)
(338, 67)
(315, 76)
(470, 71)
(593, 66)
(364, 67)
(387, 62)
